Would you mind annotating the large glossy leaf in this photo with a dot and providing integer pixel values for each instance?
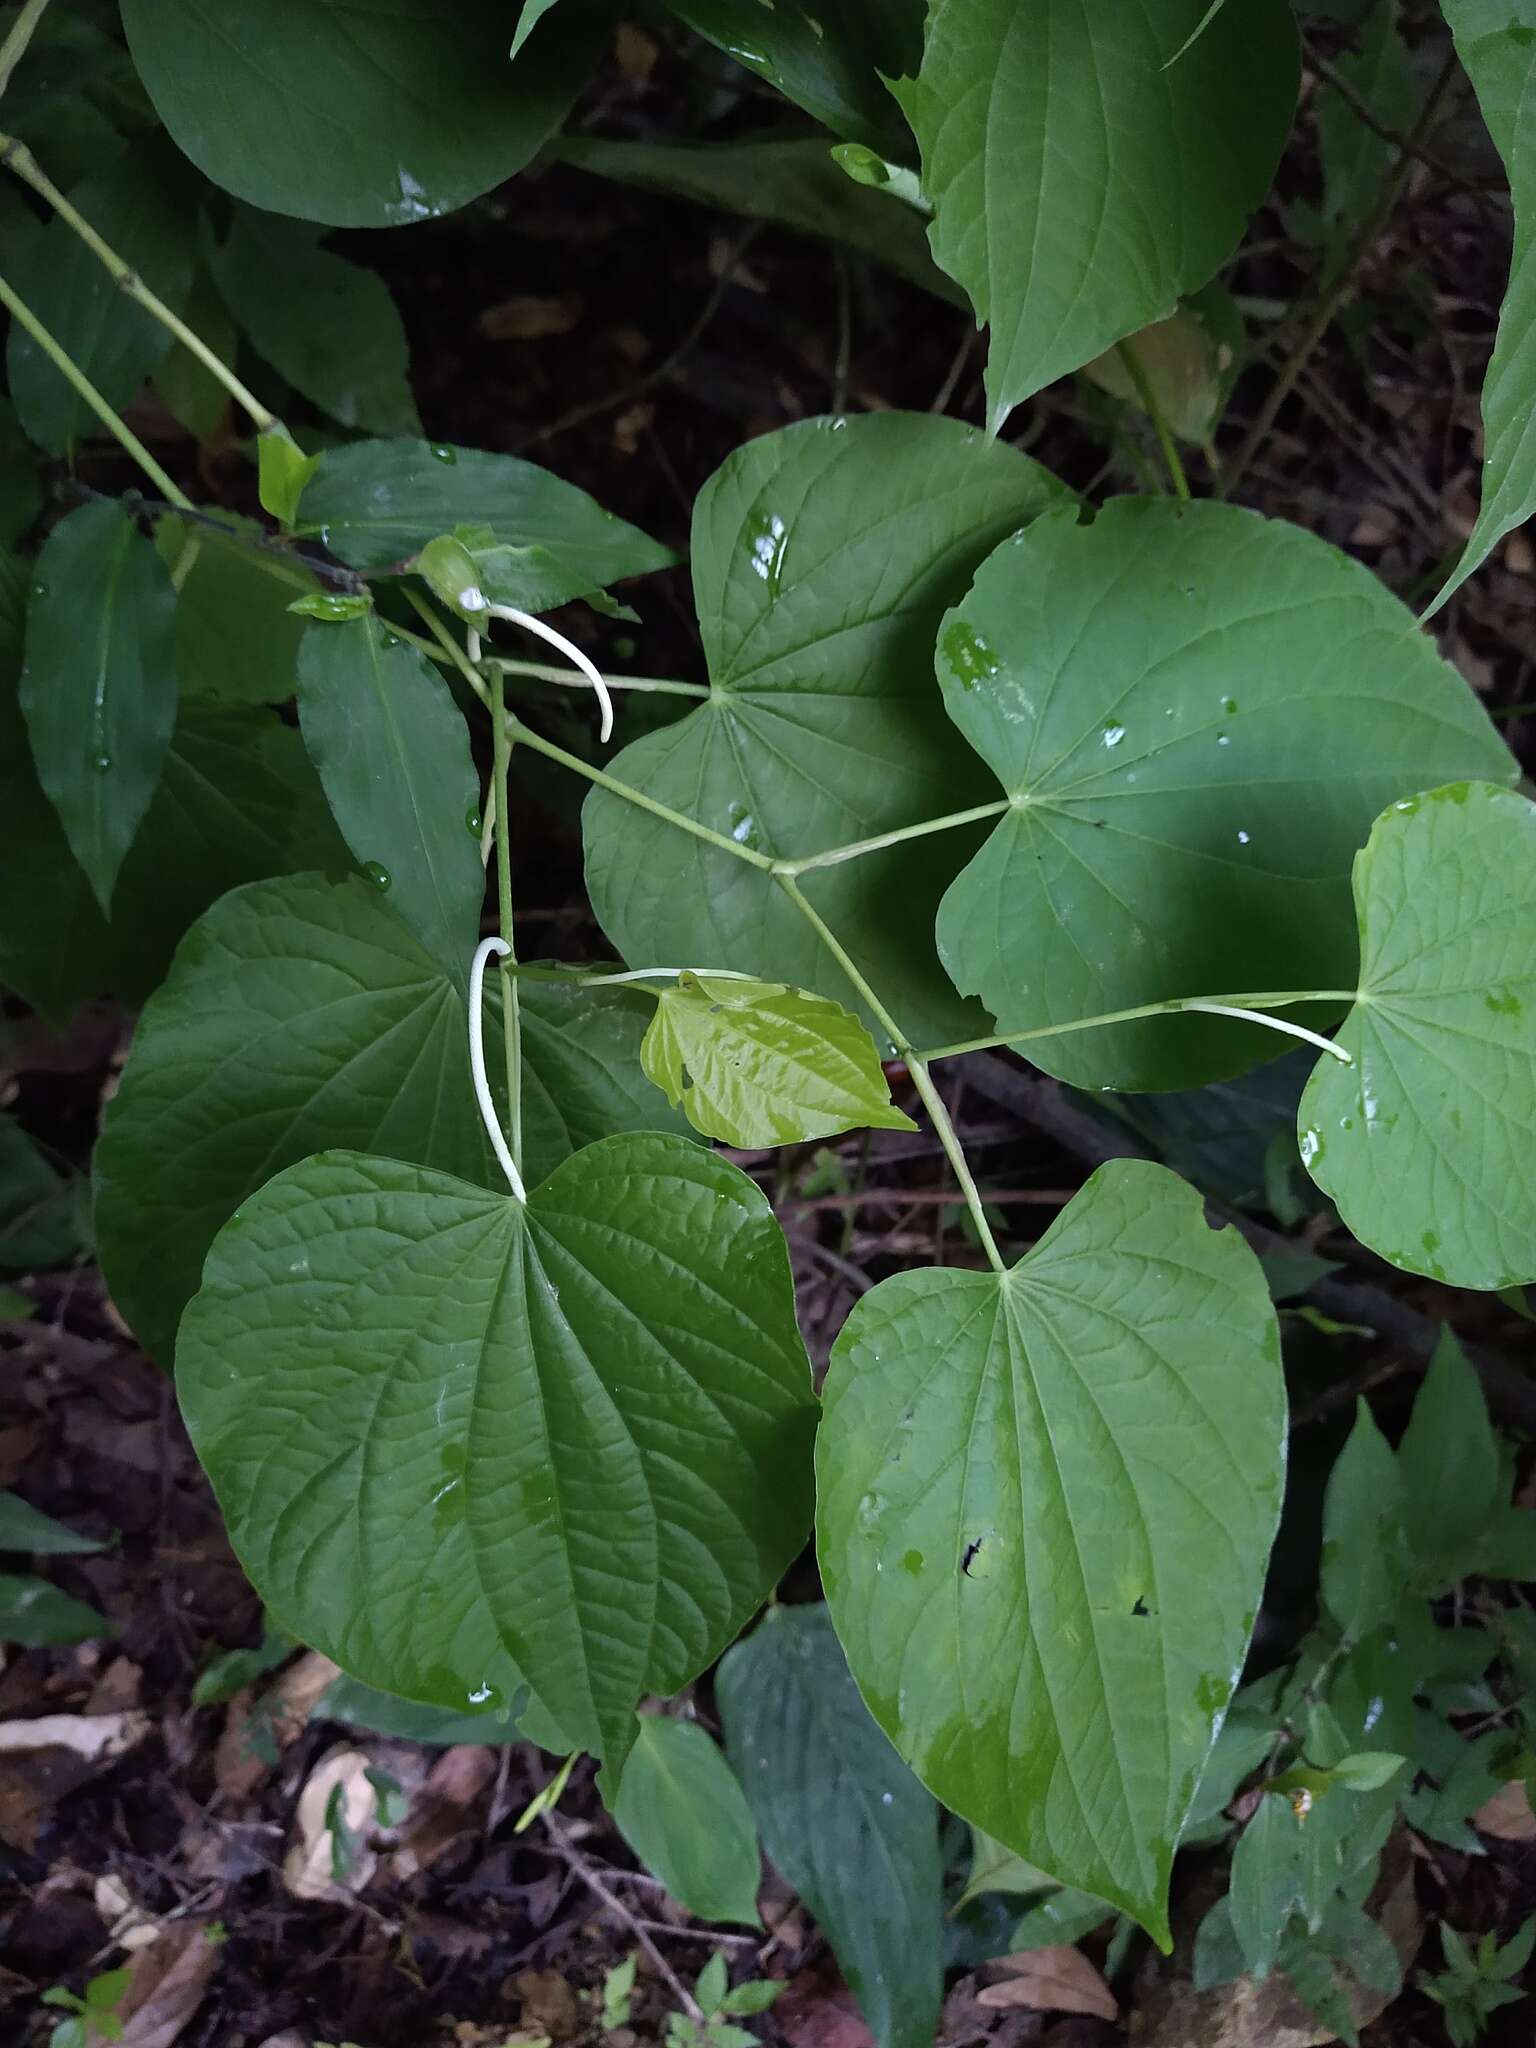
(683, 1812)
(1045, 1503)
(364, 120)
(823, 558)
(99, 690)
(843, 1818)
(301, 1015)
(139, 205)
(329, 326)
(1496, 41)
(1084, 174)
(827, 59)
(379, 502)
(1427, 1143)
(755, 1063)
(392, 751)
(792, 181)
(456, 1438)
(1197, 714)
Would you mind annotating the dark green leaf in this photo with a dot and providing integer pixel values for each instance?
(139, 205)
(829, 60)
(35, 1614)
(683, 1812)
(1191, 768)
(1266, 1881)
(792, 181)
(24, 1527)
(1220, 1137)
(461, 1443)
(392, 751)
(302, 1016)
(1496, 41)
(1427, 1142)
(1449, 1458)
(381, 1713)
(754, 1063)
(39, 1218)
(326, 325)
(1082, 182)
(233, 1670)
(375, 121)
(98, 690)
(843, 1818)
(195, 396)
(376, 503)
(1045, 1503)
(236, 640)
(1364, 1555)
(21, 490)
(823, 558)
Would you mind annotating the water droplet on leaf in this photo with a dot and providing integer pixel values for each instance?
(375, 872)
(442, 452)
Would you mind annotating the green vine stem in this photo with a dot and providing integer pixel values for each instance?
(512, 1021)
(70, 370)
(16, 156)
(833, 856)
(14, 48)
(543, 672)
(1248, 1008)
(1154, 412)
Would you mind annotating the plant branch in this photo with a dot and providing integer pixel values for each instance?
(543, 672)
(1147, 398)
(917, 1067)
(70, 370)
(1248, 1008)
(834, 855)
(277, 554)
(1339, 290)
(14, 48)
(16, 156)
(578, 1865)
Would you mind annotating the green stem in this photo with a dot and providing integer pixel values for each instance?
(511, 1007)
(67, 368)
(542, 672)
(18, 158)
(1154, 412)
(529, 738)
(917, 1067)
(1245, 1006)
(859, 847)
(446, 646)
(14, 48)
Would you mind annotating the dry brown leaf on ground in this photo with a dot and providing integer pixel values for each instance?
(96, 1738)
(441, 1812)
(281, 1712)
(816, 2012)
(548, 2002)
(1050, 1980)
(313, 1868)
(168, 1982)
(1507, 1815)
(528, 318)
(127, 1922)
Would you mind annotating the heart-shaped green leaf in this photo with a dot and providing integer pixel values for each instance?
(1427, 1143)
(366, 122)
(823, 558)
(457, 1439)
(755, 1063)
(302, 1015)
(1089, 163)
(1196, 714)
(99, 689)
(392, 750)
(1045, 1503)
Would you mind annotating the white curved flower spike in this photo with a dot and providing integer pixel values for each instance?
(488, 1116)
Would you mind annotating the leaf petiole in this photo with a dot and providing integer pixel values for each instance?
(1249, 1008)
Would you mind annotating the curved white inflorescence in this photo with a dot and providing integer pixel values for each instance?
(488, 1115)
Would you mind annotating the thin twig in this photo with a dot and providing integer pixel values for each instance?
(1334, 78)
(578, 1865)
(257, 539)
(14, 48)
(1327, 308)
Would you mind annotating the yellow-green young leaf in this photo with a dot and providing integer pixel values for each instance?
(282, 469)
(754, 1063)
(1188, 363)
(1427, 1142)
(463, 1443)
(1197, 714)
(683, 1812)
(99, 689)
(1089, 163)
(1496, 41)
(1045, 1500)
